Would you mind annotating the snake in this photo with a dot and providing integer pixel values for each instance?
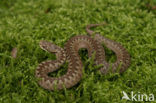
(70, 53)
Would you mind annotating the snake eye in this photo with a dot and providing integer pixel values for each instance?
(42, 44)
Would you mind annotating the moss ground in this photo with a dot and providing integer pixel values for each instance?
(23, 23)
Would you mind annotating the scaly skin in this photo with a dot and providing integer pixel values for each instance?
(123, 57)
(70, 53)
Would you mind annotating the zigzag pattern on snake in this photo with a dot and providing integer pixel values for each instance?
(70, 54)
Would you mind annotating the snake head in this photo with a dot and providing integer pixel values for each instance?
(47, 46)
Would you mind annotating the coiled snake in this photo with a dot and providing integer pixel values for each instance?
(70, 54)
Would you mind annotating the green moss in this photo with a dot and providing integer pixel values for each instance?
(23, 23)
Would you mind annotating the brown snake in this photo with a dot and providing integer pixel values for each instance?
(70, 54)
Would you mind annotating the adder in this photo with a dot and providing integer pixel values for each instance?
(70, 54)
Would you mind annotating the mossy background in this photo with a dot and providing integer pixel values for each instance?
(23, 23)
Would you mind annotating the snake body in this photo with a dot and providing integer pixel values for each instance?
(70, 54)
